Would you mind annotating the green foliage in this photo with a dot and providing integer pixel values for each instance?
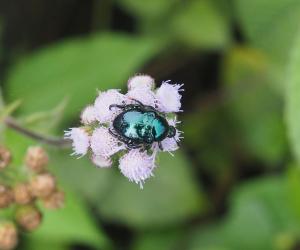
(293, 100)
(200, 24)
(234, 129)
(148, 9)
(195, 24)
(261, 217)
(272, 26)
(281, 15)
(159, 240)
(75, 225)
(75, 69)
(209, 132)
(257, 109)
(119, 200)
(172, 194)
(71, 224)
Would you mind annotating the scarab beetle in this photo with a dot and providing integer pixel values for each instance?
(139, 125)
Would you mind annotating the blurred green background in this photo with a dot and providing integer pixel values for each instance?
(235, 182)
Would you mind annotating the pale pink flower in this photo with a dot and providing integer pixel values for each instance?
(80, 140)
(104, 100)
(88, 115)
(101, 161)
(104, 144)
(143, 95)
(141, 81)
(169, 98)
(137, 166)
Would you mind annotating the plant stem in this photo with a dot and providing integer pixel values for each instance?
(53, 141)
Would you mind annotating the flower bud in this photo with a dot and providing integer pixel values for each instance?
(36, 159)
(5, 157)
(28, 217)
(42, 185)
(55, 200)
(22, 194)
(8, 236)
(6, 196)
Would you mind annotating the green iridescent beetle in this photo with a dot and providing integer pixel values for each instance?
(139, 125)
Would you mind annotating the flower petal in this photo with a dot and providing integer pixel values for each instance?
(80, 140)
(171, 144)
(104, 100)
(104, 144)
(141, 81)
(88, 115)
(101, 161)
(143, 95)
(137, 166)
(169, 98)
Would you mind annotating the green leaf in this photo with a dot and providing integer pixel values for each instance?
(9, 109)
(209, 132)
(272, 26)
(257, 109)
(170, 197)
(200, 24)
(46, 121)
(71, 224)
(119, 200)
(148, 9)
(261, 216)
(293, 100)
(209, 237)
(37, 244)
(159, 240)
(81, 175)
(75, 69)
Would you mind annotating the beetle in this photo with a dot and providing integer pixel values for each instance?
(139, 125)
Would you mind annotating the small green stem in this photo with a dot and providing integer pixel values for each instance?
(53, 141)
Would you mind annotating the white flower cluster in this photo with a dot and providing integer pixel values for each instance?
(95, 136)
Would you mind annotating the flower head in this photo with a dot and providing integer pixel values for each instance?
(104, 144)
(88, 115)
(5, 157)
(128, 125)
(172, 144)
(137, 166)
(143, 95)
(104, 100)
(101, 161)
(141, 81)
(169, 98)
(8, 235)
(36, 159)
(80, 140)
(28, 217)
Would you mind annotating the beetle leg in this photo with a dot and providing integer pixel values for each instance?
(133, 146)
(160, 146)
(145, 107)
(119, 137)
(112, 133)
(116, 106)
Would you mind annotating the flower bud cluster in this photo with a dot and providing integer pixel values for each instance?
(98, 137)
(22, 196)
